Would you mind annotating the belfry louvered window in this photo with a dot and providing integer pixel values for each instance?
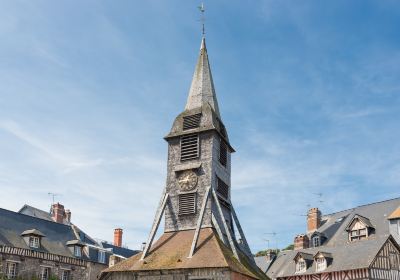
(223, 152)
(189, 147)
(192, 121)
(222, 188)
(187, 203)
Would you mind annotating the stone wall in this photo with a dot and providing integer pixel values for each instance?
(30, 268)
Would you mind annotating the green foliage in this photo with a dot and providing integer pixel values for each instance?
(53, 277)
(265, 252)
(289, 247)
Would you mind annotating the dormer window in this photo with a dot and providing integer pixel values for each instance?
(190, 122)
(32, 238)
(76, 247)
(359, 228)
(316, 241)
(301, 266)
(320, 264)
(321, 260)
(34, 242)
(303, 261)
(77, 251)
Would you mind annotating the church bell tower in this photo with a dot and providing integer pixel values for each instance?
(202, 235)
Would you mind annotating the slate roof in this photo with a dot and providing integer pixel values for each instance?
(263, 263)
(202, 89)
(171, 251)
(120, 251)
(56, 236)
(345, 255)
(13, 224)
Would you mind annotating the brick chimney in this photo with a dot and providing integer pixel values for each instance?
(301, 241)
(313, 220)
(58, 212)
(68, 215)
(118, 237)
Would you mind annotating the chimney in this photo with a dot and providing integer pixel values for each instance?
(68, 215)
(118, 237)
(301, 241)
(58, 212)
(313, 220)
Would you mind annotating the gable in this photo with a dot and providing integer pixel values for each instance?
(388, 256)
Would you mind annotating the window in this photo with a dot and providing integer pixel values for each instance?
(77, 251)
(187, 203)
(223, 152)
(358, 234)
(189, 147)
(192, 121)
(316, 241)
(321, 264)
(45, 273)
(34, 242)
(65, 275)
(222, 188)
(11, 270)
(102, 257)
(301, 266)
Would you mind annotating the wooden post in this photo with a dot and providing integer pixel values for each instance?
(199, 222)
(154, 228)
(227, 229)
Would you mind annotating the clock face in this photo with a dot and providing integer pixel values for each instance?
(187, 181)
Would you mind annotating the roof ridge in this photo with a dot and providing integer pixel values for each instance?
(33, 217)
(363, 205)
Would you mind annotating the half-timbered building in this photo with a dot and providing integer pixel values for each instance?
(37, 244)
(359, 243)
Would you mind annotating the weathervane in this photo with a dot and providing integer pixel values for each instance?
(202, 19)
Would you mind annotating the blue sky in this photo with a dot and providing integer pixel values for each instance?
(309, 93)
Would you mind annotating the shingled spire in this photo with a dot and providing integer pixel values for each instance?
(202, 88)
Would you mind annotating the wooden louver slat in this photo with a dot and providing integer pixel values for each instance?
(192, 121)
(223, 153)
(189, 147)
(187, 204)
(222, 188)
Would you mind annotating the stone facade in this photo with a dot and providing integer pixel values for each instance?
(30, 268)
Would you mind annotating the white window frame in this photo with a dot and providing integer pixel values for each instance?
(102, 256)
(77, 251)
(316, 241)
(65, 274)
(301, 266)
(11, 269)
(45, 273)
(34, 241)
(320, 264)
(355, 235)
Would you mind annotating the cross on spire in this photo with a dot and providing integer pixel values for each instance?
(202, 18)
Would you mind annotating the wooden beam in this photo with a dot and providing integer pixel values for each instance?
(227, 229)
(242, 236)
(156, 223)
(199, 222)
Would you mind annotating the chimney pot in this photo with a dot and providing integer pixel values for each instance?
(68, 215)
(118, 237)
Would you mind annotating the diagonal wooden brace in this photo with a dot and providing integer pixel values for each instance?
(199, 222)
(227, 229)
(154, 228)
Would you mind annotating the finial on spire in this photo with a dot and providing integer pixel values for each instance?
(202, 18)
